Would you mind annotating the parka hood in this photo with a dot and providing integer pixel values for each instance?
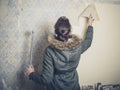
(70, 44)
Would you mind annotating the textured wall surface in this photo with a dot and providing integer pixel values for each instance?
(18, 18)
(9, 42)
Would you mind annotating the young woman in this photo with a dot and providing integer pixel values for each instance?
(61, 57)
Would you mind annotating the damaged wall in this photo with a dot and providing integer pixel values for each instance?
(9, 42)
(19, 17)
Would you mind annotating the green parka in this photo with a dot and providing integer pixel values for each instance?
(60, 62)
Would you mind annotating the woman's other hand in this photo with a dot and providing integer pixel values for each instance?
(90, 20)
(29, 70)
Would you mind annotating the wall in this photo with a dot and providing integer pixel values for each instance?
(9, 42)
(101, 62)
(19, 17)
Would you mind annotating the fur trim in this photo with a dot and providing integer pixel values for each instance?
(71, 43)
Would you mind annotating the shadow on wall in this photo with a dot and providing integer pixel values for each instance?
(38, 52)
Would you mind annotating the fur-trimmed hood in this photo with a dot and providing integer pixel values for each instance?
(70, 44)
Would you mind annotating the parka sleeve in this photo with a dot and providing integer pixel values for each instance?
(88, 40)
(47, 71)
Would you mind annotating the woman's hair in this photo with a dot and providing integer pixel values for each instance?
(62, 22)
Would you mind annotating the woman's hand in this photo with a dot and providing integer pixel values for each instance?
(29, 70)
(90, 20)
